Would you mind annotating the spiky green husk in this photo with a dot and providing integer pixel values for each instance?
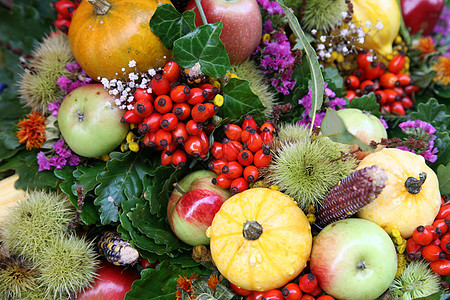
(248, 70)
(307, 169)
(416, 281)
(293, 133)
(67, 266)
(294, 4)
(17, 276)
(37, 86)
(323, 14)
(34, 222)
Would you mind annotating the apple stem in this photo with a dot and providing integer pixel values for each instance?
(361, 265)
(200, 10)
(252, 230)
(101, 6)
(414, 185)
(180, 190)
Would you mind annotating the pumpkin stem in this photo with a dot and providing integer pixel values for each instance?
(414, 185)
(252, 230)
(101, 6)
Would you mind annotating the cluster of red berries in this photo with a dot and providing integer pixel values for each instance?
(432, 242)
(173, 118)
(239, 156)
(64, 13)
(392, 88)
(306, 289)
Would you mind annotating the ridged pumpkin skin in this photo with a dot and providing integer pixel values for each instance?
(395, 207)
(277, 256)
(104, 44)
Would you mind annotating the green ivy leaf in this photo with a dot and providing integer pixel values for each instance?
(157, 230)
(334, 79)
(432, 112)
(366, 102)
(443, 173)
(442, 143)
(203, 45)
(239, 100)
(318, 87)
(123, 173)
(333, 127)
(159, 283)
(169, 24)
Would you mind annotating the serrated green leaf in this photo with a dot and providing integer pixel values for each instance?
(159, 283)
(165, 242)
(432, 112)
(443, 173)
(239, 100)
(203, 45)
(169, 24)
(318, 87)
(123, 172)
(366, 102)
(86, 176)
(333, 127)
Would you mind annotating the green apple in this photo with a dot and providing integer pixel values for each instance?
(90, 121)
(354, 259)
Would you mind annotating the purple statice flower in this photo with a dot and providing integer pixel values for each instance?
(337, 103)
(386, 126)
(421, 130)
(64, 83)
(442, 27)
(404, 148)
(75, 84)
(43, 161)
(57, 161)
(54, 107)
(73, 67)
(267, 27)
(272, 7)
(73, 160)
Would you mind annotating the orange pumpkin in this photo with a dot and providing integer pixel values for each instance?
(105, 35)
(260, 239)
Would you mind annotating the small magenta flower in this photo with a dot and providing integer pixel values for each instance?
(424, 131)
(43, 162)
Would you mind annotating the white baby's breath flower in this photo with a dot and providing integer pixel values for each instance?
(379, 26)
(367, 24)
(323, 38)
(123, 69)
(361, 40)
(108, 104)
(117, 101)
(132, 63)
(105, 83)
(344, 14)
(321, 46)
(314, 31)
(152, 72)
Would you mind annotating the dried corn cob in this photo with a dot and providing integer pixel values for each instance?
(116, 250)
(351, 194)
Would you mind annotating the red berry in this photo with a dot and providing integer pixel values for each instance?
(364, 59)
(246, 133)
(352, 82)
(411, 89)
(307, 297)
(140, 94)
(245, 157)
(179, 133)
(179, 159)
(163, 104)
(62, 24)
(149, 139)
(232, 169)
(193, 127)
(397, 63)
(291, 291)
(372, 71)
(404, 79)
(308, 282)
(222, 181)
(367, 86)
(325, 297)
(199, 113)
(238, 185)
(240, 291)
(406, 102)
(273, 295)
(197, 96)
(442, 224)
(131, 117)
(316, 291)
(217, 150)
(193, 146)
(217, 165)
(204, 140)
(160, 85)
(233, 132)
(422, 235)
(381, 96)
(163, 138)
(432, 252)
(231, 149)
(350, 95)
(389, 81)
(251, 173)
(412, 246)
(267, 124)
(249, 121)
(210, 89)
(441, 267)
(392, 95)
(359, 73)
(397, 108)
(180, 93)
(445, 243)
(255, 296)
(168, 122)
(211, 109)
(65, 8)
(143, 108)
(153, 121)
(254, 142)
(262, 157)
(444, 212)
(166, 159)
(182, 110)
(266, 136)
(171, 71)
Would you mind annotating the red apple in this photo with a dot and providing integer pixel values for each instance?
(112, 283)
(242, 25)
(192, 206)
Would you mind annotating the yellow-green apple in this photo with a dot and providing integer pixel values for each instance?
(242, 25)
(90, 121)
(365, 126)
(354, 259)
(192, 206)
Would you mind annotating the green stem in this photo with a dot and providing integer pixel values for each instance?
(200, 10)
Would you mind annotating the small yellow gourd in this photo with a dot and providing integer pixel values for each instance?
(411, 196)
(260, 239)
(9, 195)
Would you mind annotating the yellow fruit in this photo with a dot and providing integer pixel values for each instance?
(396, 207)
(385, 11)
(105, 39)
(260, 239)
(9, 195)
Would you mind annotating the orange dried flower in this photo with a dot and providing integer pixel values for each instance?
(426, 45)
(185, 284)
(32, 130)
(442, 69)
(213, 281)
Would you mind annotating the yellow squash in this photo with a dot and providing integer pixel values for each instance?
(260, 239)
(105, 35)
(411, 196)
(9, 195)
(385, 11)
